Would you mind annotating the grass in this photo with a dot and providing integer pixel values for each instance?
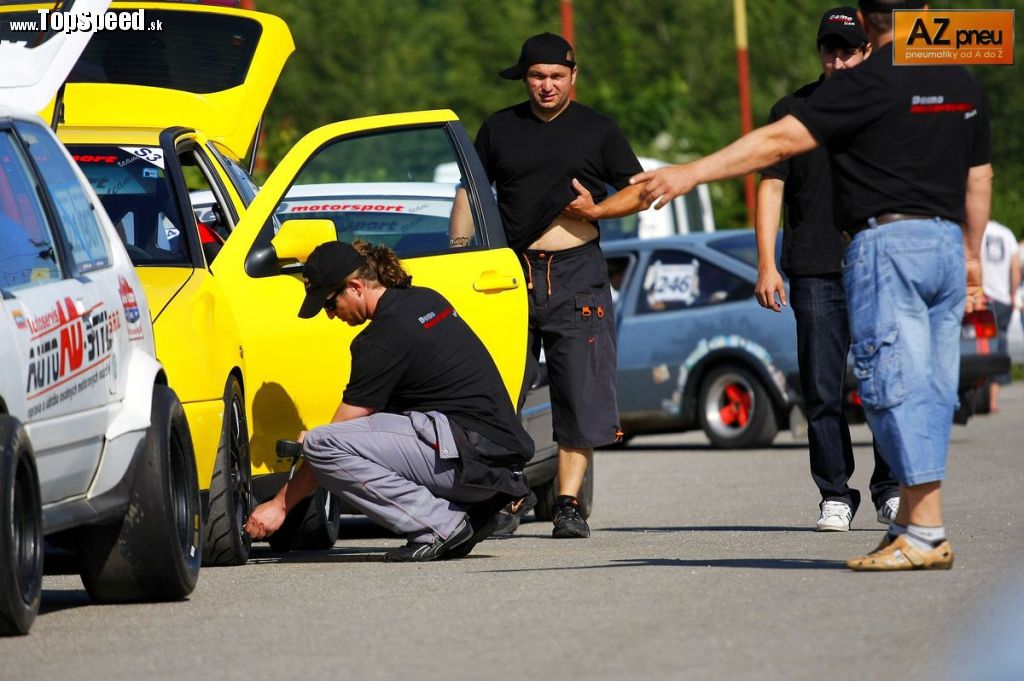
(1017, 372)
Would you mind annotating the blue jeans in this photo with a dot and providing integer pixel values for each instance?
(906, 286)
(823, 342)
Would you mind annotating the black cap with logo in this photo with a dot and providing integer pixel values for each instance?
(546, 48)
(841, 22)
(325, 272)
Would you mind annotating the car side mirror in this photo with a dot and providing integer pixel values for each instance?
(297, 238)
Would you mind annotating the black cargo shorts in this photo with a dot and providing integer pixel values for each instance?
(571, 316)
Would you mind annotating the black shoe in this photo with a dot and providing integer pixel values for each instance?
(487, 517)
(569, 524)
(508, 520)
(415, 552)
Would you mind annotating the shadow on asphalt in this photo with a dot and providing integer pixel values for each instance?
(690, 447)
(756, 563)
(725, 528)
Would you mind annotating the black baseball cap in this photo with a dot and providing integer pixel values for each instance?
(546, 48)
(325, 272)
(841, 22)
(889, 5)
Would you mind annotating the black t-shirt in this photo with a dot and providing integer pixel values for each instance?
(532, 164)
(417, 354)
(812, 245)
(902, 138)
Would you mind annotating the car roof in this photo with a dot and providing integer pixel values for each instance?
(694, 239)
(70, 134)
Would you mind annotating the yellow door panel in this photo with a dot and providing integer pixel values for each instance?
(161, 283)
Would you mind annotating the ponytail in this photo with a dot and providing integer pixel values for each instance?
(381, 266)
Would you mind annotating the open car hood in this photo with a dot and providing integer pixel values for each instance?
(36, 63)
(209, 68)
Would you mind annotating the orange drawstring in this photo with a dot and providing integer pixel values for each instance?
(550, 260)
(529, 272)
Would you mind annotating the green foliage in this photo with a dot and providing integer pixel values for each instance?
(665, 69)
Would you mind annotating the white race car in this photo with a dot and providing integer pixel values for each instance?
(94, 447)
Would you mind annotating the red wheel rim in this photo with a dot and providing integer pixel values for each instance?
(736, 410)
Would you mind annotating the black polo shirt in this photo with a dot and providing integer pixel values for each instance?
(532, 163)
(417, 354)
(902, 138)
(812, 245)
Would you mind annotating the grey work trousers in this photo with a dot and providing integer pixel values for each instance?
(397, 469)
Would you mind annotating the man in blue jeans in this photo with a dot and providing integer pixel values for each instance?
(911, 160)
(812, 253)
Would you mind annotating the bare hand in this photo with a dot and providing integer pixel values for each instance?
(265, 519)
(301, 436)
(768, 284)
(664, 184)
(975, 293)
(583, 206)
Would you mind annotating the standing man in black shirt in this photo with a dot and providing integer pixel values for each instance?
(812, 253)
(911, 155)
(424, 430)
(550, 160)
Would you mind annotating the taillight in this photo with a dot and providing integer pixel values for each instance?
(979, 324)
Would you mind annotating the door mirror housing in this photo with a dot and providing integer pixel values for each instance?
(297, 238)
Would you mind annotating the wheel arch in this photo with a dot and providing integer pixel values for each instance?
(143, 372)
(742, 358)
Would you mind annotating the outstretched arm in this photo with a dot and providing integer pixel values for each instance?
(625, 202)
(758, 149)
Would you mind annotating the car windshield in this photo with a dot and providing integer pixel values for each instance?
(743, 247)
(135, 191)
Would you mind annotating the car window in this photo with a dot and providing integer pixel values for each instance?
(743, 247)
(240, 178)
(27, 253)
(214, 216)
(678, 280)
(135, 190)
(380, 188)
(618, 272)
(78, 218)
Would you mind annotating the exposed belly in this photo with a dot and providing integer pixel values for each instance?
(564, 232)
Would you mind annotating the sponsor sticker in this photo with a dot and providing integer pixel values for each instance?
(964, 36)
(672, 283)
(132, 314)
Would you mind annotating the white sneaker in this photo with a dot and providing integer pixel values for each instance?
(887, 511)
(835, 517)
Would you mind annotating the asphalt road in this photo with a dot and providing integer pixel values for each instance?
(703, 565)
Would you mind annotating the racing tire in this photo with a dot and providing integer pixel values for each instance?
(154, 552)
(21, 531)
(313, 524)
(734, 409)
(547, 492)
(225, 542)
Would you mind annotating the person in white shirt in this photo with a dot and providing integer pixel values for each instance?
(1000, 268)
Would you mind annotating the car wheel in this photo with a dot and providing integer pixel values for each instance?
(153, 553)
(225, 542)
(312, 525)
(734, 410)
(21, 531)
(547, 492)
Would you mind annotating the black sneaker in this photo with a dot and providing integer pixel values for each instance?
(508, 520)
(569, 524)
(415, 552)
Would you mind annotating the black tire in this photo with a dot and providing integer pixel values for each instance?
(21, 531)
(734, 409)
(153, 553)
(224, 540)
(312, 525)
(547, 492)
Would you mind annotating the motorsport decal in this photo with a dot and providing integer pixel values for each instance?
(672, 284)
(708, 345)
(439, 208)
(69, 352)
(132, 315)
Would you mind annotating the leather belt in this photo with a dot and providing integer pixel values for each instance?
(884, 219)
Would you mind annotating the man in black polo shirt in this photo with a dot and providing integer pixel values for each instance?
(812, 252)
(425, 430)
(550, 160)
(911, 154)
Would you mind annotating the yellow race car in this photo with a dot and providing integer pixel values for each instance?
(156, 120)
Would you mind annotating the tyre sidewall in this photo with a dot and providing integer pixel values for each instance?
(17, 467)
(754, 432)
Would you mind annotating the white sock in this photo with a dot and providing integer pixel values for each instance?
(925, 537)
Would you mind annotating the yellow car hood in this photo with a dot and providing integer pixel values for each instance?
(161, 284)
(209, 68)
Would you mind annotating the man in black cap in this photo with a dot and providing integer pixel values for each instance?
(911, 153)
(550, 160)
(423, 437)
(812, 252)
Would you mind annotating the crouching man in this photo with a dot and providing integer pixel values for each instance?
(425, 431)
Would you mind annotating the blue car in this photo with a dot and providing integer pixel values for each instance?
(695, 350)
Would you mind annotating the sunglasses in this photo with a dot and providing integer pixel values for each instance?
(332, 301)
